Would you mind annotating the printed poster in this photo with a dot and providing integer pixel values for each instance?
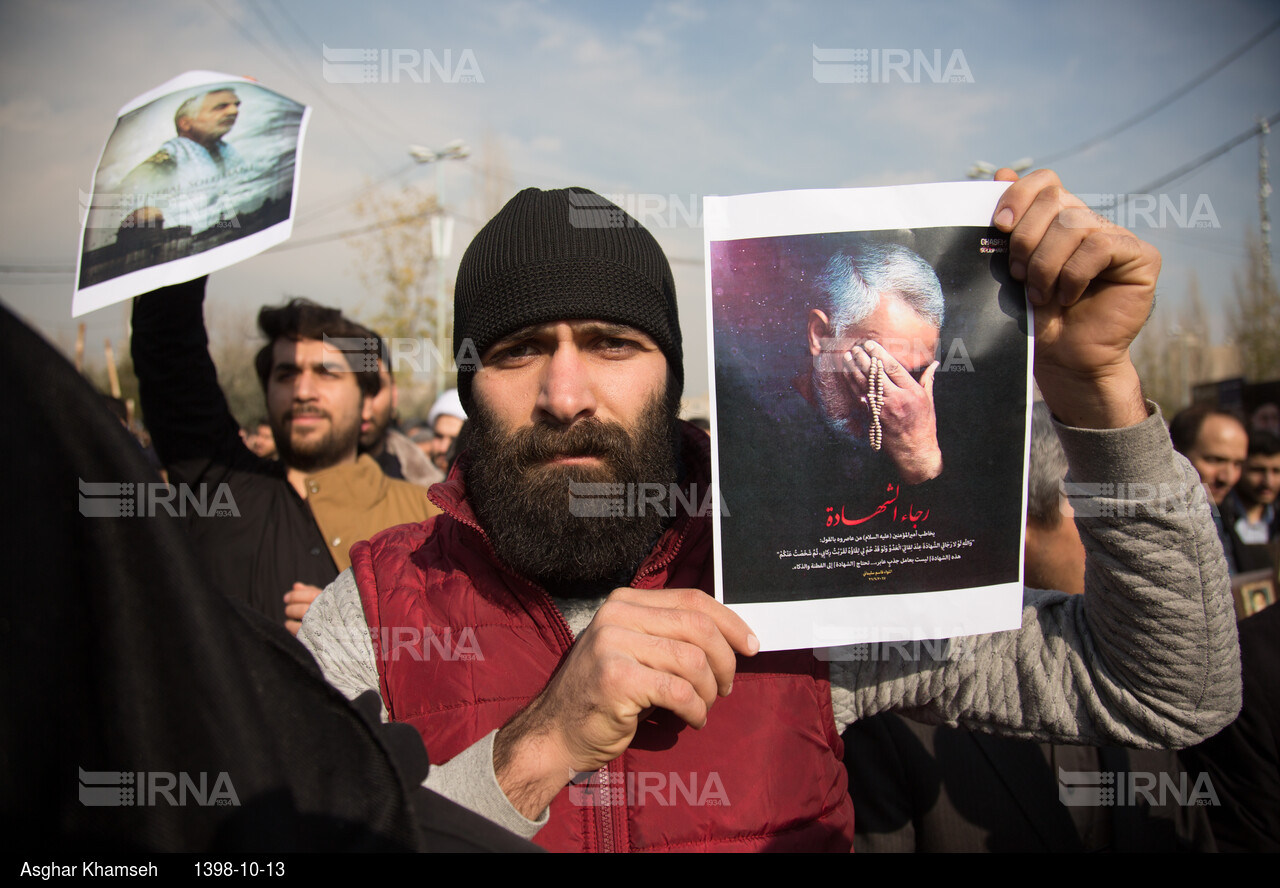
(871, 399)
(199, 174)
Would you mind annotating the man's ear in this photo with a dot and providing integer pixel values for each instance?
(819, 329)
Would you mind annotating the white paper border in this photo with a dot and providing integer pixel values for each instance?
(829, 622)
(177, 271)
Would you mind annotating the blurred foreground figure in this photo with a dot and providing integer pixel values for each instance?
(135, 677)
(1244, 759)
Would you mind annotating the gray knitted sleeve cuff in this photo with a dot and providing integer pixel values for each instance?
(468, 779)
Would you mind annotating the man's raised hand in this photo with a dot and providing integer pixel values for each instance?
(1092, 284)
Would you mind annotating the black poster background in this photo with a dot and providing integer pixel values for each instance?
(781, 468)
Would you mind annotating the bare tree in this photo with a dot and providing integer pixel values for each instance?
(1254, 316)
(398, 269)
(396, 263)
(1150, 354)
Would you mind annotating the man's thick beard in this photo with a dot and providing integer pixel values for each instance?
(524, 505)
(315, 455)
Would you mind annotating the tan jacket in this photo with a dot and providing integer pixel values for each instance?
(353, 501)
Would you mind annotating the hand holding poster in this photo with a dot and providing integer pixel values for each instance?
(199, 173)
(871, 395)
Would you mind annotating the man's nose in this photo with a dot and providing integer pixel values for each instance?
(566, 393)
(304, 386)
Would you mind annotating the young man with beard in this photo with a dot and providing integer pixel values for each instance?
(581, 716)
(299, 515)
(390, 448)
(1249, 511)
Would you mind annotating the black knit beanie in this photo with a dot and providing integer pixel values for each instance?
(561, 255)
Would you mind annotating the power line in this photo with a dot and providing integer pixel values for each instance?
(266, 51)
(1167, 100)
(379, 118)
(364, 229)
(1200, 161)
(340, 202)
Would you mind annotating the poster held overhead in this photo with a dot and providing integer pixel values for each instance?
(199, 173)
(871, 395)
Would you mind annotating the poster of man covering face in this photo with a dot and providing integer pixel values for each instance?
(870, 400)
(198, 174)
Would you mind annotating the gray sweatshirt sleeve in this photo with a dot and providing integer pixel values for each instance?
(337, 634)
(1146, 657)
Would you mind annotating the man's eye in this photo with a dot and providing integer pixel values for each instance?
(617, 344)
(513, 352)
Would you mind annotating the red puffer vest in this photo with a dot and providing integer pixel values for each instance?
(462, 644)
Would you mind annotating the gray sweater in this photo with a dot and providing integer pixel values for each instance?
(1147, 657)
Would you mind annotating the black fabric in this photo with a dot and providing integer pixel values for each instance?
(275, 542)
(1243, 759)
(567, 254)
(390, 464)
(121, 658)
(1243, 557)
(924, 788)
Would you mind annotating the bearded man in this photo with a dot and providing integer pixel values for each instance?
(393, 451)
(582, 716)
(298, 516)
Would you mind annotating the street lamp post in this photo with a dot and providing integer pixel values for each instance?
(441, 241)
(981, 169)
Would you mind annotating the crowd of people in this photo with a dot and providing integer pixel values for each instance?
(575, 682)
(1239, 464)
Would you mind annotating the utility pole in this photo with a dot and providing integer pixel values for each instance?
(1264, 192)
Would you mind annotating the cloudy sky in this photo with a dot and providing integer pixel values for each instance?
(658, 102)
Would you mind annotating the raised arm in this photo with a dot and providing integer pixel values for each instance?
(1148, 656)
(182, 404)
